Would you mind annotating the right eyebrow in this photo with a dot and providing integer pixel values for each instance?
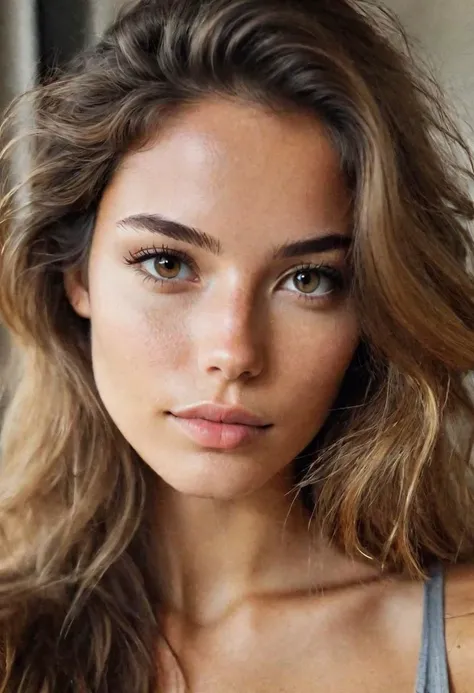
(157, 223)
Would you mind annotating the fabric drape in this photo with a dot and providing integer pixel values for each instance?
(36, 35)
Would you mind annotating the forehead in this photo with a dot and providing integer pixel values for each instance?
(228, 166)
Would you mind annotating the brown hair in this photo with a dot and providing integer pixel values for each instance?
(388, 476)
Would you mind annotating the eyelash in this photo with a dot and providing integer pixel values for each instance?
(148, 253)
(144, 254)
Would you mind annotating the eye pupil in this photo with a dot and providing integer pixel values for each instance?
(167, 266)
(308, 280)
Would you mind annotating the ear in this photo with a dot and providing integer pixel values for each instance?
(77, 292)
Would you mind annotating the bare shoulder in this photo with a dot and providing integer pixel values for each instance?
(459, 619)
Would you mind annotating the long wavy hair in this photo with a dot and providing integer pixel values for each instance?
(388, 477)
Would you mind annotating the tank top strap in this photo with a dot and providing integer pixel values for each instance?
(432, 675)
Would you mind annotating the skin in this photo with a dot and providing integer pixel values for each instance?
(254, 600)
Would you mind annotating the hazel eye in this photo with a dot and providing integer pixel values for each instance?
(307, 281)
(167, 266)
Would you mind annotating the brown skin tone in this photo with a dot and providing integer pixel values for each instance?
(254, 600)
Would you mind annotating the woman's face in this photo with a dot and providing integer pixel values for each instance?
(233, 311)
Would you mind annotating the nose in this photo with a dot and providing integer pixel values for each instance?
(231, 343)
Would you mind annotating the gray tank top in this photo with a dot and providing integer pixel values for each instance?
(433, 662)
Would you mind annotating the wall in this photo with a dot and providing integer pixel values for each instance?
(445, 32)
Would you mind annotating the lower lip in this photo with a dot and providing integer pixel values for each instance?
(211, 434)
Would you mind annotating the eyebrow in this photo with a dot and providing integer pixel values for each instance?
(157, 223)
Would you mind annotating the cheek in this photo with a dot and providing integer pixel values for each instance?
(315, 361)
(134, 339)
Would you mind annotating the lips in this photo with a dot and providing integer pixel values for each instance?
(220, 414)
(219, 427)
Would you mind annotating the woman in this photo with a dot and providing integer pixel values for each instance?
(238, 424)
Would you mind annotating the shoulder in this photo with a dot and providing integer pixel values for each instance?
(459, 622)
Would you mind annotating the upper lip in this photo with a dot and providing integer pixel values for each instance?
(220, 414)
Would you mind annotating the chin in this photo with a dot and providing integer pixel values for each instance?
(212, 475)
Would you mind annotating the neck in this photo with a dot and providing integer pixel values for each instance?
(214, 555)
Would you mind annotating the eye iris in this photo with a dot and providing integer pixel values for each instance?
(167, 267)
(306, 281)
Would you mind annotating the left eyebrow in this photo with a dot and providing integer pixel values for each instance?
(157, 223)
(319, 244)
